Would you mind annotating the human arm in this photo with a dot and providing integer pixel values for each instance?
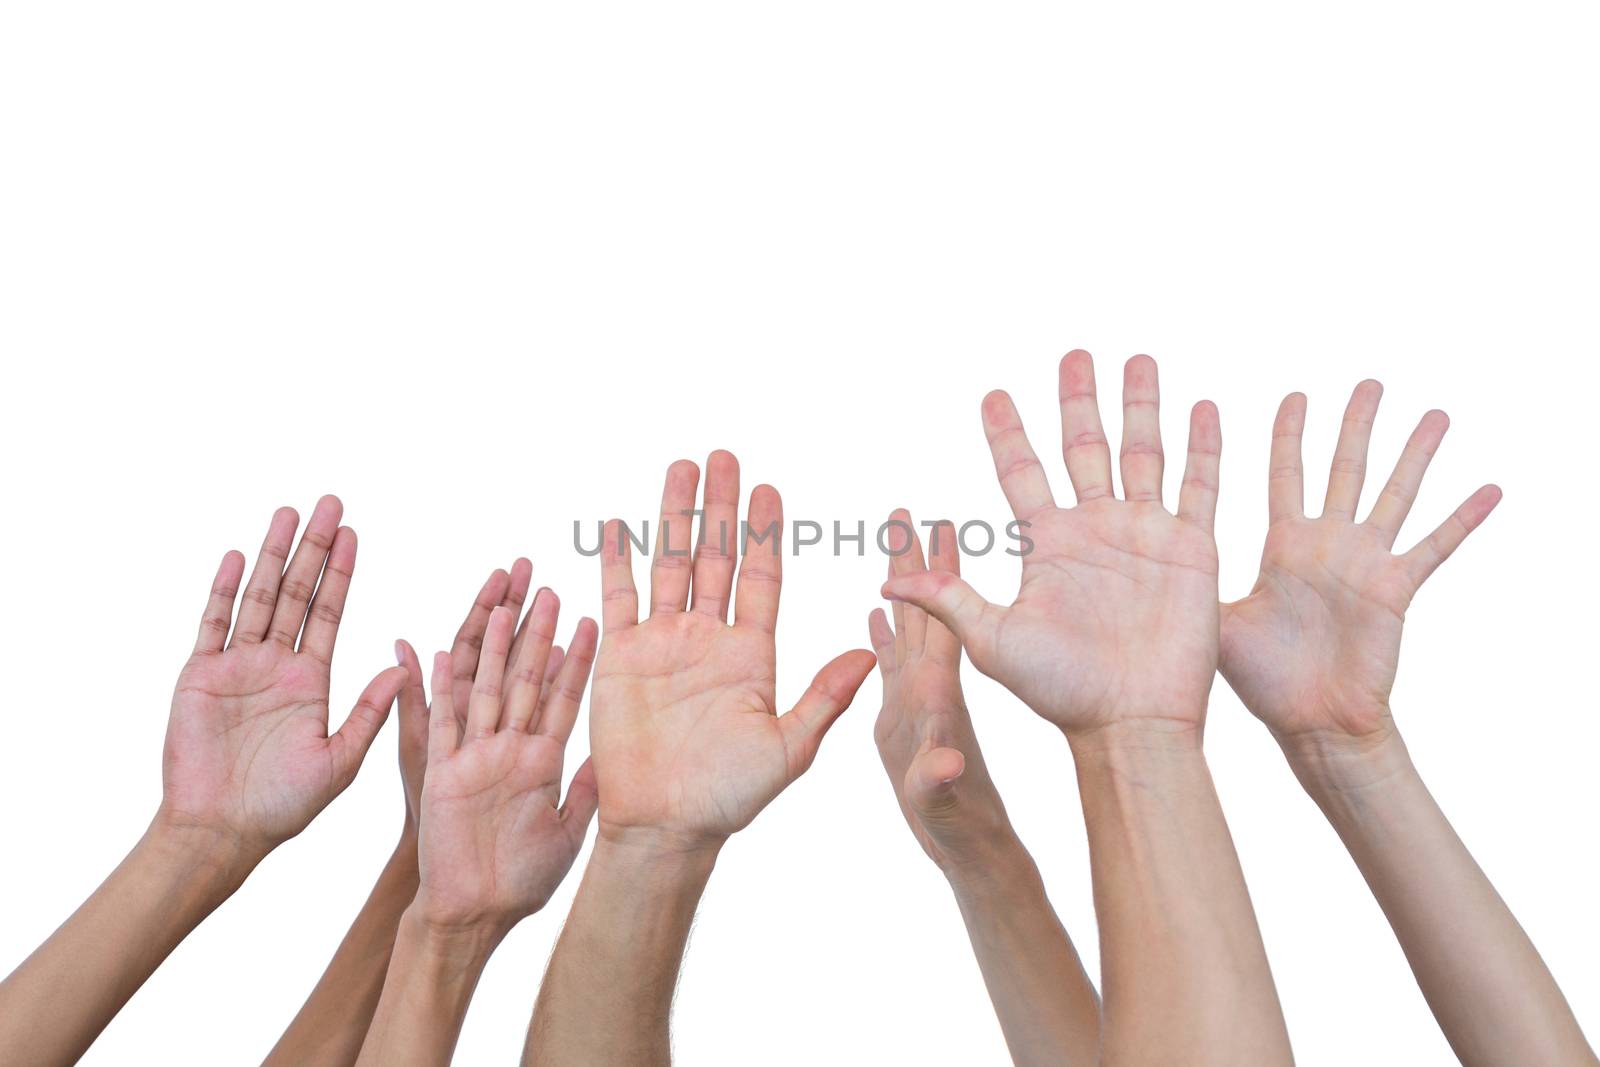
(687, 748)
(1046, 1004)
(494, 840)
(248, 763)
(331, 1025)
(1112, 639)
(1312, 651)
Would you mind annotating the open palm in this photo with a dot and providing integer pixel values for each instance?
(685, 732)
(494, 840)
(1315, 645)
(1112, 619)
(248, 752)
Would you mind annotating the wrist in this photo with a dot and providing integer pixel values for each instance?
(665, 862)
(1001, 871)
(208, 858)
(452, 945)
(1138, 734)
(1331, 764)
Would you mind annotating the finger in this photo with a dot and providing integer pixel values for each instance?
(349, 746)
(931, 780)
(1197, 498)
(583, 799)
(261, 595)
(1142, 460)
(619, 600)
(944, 556)
(953, 602)
(219, 608)
(830, 693)
(761, 562)
(1022, 479)
(1083, 441)
(552, 667)
(520, 579)
(1437, 547)
(719, 536)
(413, 698)
(483, 708)
(468, 645)
(300, 580)
(1286, 498)
(1394, 502)
(882, 638)
(560, 712)
(529, 664)
(1349, 468)
(327, 607)
(910, 621)
(444, 729)
(670, 567)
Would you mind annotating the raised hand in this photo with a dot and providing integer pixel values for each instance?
(685, 733)
(249, 756)
(1112, 621)
(1313, 649)
(495, 841)
(924, 733)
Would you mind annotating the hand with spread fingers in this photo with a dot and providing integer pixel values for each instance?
(1113, 638)
(249, 762)
(1312, 652)
(687, 747)
(494, 839)
(332, 1024)
(1048, 1008)
(1314, 648)
(1111, 621)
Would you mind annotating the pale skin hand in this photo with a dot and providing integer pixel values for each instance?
(248, 752)
(1312, 652)
(494, 839)
(248, 763)
(1314, 647)
(686, 738)
(687, 749)
(1048, 1008)
(1113, 620)
(1113, 638)
(331, 1026)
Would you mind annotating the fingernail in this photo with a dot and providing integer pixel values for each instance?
(399, 654)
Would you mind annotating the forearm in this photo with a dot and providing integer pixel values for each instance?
(432, 975)
(1185, 975)
(607, 995)
(58, 1001)
(333, 1023)
(1491, 993)
(1046, 1004)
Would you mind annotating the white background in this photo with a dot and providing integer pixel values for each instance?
(483, 270)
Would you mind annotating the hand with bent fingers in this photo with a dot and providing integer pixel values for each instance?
(1314, 647)
(495, 840)
(1046, 1004)
(248, 752)
(924, 733)
(1112, 619)
(685, 732)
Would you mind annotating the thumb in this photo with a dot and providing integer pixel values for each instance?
(349, 746)
(953, 602)
(829, 694)
(583, 797)
(931, 781)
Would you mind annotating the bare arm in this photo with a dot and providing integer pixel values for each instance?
(1113, 639)
(688, 748)
(1047, 1007)
(249, 762)
(1312, 652)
